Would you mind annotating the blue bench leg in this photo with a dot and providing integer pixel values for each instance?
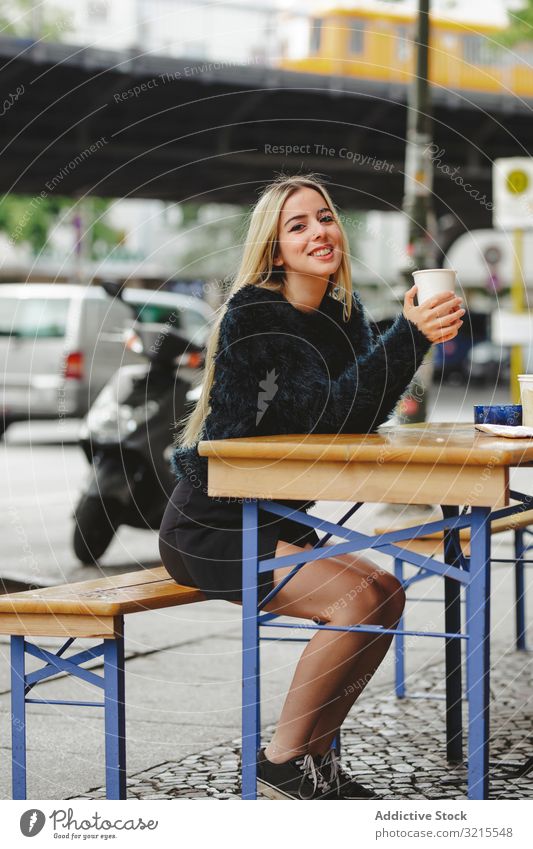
(115, 719)
(478, 655)
(251, 729)
(18, 717)
(520, 590)
(399, 649)
(336, 743)
(452, 625)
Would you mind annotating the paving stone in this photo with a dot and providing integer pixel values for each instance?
(414, 767)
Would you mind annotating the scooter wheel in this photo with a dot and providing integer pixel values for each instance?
(95, 524)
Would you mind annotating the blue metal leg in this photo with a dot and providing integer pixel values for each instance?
(478, 655)
(336, 743)
(519, 590)
(18, 717)
(115, 719)
(452, 625)
(251, 730)
(399, 650)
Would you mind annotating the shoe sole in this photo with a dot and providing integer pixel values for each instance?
(272, 792)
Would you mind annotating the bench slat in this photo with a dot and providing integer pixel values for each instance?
(147, 589)
(498, 526)
(430, 547)
(59, 625)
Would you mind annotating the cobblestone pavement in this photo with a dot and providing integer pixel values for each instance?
(396, 747)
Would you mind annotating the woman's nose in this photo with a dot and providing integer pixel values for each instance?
(319, 230)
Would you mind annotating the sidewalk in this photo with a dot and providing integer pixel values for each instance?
(384, 746)
(183, 697)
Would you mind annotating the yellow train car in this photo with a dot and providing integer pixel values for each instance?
(376, 45)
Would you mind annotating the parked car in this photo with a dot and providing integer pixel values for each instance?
(488, 363)
(451, 359)
(60, 343)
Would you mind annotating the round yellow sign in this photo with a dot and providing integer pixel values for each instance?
(517, 182)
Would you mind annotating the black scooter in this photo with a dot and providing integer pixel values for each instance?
(127, 437)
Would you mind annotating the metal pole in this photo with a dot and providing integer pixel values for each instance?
(517, 295)
(418, 182)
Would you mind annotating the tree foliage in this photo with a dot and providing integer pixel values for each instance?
(520, 26)
(30, 219)
(30, 19)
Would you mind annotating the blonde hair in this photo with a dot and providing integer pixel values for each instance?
(257, 269)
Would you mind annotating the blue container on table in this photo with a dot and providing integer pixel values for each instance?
(499, 414)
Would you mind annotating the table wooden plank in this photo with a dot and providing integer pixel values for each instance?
(449, 443)
(393, 483)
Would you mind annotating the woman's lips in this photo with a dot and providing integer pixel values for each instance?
(324, 256)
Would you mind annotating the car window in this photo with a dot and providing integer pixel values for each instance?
(40, 318)
(158, 313)
(196, 325)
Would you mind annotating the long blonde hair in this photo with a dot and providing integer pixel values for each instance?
(257, 269)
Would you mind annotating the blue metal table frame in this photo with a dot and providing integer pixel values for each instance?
(473, 573)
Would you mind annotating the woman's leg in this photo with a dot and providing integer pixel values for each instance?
(337, 593)
(368, 660)
(364, 667)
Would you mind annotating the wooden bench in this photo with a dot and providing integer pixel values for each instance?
(432, 545)
(88, 609)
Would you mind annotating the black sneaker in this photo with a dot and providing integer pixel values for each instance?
(343, 784)
(298, 778)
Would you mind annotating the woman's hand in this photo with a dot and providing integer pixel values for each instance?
(438, 318)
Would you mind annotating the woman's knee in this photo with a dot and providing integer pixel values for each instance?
(394, 594)
(364, 603)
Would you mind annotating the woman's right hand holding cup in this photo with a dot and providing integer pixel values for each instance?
(439, 318)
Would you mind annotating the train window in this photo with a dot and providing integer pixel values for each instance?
(404, 36)
(356, 43)
(479, 50)
(316, 32)
(522, 54)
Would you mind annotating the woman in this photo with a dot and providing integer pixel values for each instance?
(293, 353)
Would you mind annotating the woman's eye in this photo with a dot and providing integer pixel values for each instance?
(326, 218)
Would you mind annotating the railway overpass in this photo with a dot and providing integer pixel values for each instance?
(78, 121)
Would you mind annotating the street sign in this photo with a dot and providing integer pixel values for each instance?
(512, 180)
(509, 328)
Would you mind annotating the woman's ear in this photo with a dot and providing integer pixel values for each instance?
(277, 260)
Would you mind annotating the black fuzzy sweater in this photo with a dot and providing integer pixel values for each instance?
(280, 370)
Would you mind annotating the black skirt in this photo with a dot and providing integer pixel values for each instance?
(200, 541)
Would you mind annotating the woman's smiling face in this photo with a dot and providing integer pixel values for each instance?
(309, 240)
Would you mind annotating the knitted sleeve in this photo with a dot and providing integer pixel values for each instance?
(270, 381)
(407, 346)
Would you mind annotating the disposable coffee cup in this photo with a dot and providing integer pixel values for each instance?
(526, 396)
(434, 281)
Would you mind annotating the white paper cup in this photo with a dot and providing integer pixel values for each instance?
(526, 396)
(434, 281)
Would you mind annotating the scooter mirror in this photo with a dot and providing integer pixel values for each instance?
(112, 288)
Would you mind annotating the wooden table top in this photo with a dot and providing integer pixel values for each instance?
(442, 443)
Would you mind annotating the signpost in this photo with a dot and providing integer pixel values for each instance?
(512, 179)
